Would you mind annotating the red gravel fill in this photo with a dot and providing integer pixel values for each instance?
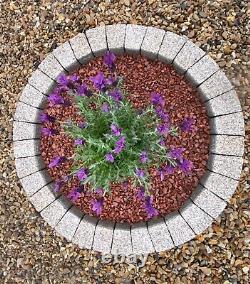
(142, 76)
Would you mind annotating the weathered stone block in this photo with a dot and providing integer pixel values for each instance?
(27, 113)
(26, 148)
(29, 165)
(116, 37)
(97, 40)
(81, 48)
(227, 145)
(122, 240)
(51, 67)
(41, 82)
(141, 241)
(24, 130)
(33, 97)
(134, 38)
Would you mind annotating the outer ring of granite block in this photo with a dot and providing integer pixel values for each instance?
(144, 235)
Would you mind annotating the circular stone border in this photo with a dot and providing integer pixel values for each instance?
(226, 147)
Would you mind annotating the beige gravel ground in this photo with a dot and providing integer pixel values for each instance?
(29, 250)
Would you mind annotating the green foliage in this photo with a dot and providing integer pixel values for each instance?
(138, 127)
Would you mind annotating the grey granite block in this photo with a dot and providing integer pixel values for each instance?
(159, 235)
(141, 241)
(33, 97)
(214, 86)
(222, 186)
(51, 67)
(44, 197)
(223, 104)
(189, 54)
(41, 82)
(171, 45)
(208, 201)
(35, 181)
(202, 70)
(103, 236)
(24, 130)
(229, 166)
(85, 232)
(64, 54)
(69, 223)
(227, 145)
(116, 37)
(53, 213)
(197, 219)
(26, 148)
(152, 42)
(134, 38)
(178, 228)
(27, 166)
(230, 124)
(122, 240)
(81, 48)
(27, 113)
(97, 40)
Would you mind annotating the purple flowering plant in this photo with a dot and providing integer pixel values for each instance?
(115, 141)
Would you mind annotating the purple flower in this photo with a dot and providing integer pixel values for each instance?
(74, 78)
(82, 90)
(99, 191)
(187, 124)
(109, 60)
(74, 194)
(111, 81)
(115, 129)
(49, 131)
(58, 186)
(97, 206)
(157, 99)
(44, 117)
(176, 153)
(57, 161)
(140, 173)
(186, 166)
(110, 158)
(120, 144)
(144, 157)
(63, 80)
(99, 81)
(116, 95)
(82, 174)
(163, 128)
(82, 125)
(162, 142)
(105, 107)
(169, 169)
(151, 211)
(55, 99)
(79, 142)
(162, 114)
(141, 193)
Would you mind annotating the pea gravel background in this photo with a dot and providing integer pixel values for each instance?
(29, 250)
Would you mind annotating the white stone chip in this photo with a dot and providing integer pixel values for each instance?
(69, 223)
(103, 236)
(152, 42)
(134, 38)
(85, 232)
(64, 54)
(208, 201)
(171, 45)
(178, 228)
(97, 40)
(116, 37)
(189, 54)
(159, 235)
(35, 181)
(81, 48)
(197, 219)
(122, 240)
(141, 241)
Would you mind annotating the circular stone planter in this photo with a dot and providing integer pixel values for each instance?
(226, 148)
